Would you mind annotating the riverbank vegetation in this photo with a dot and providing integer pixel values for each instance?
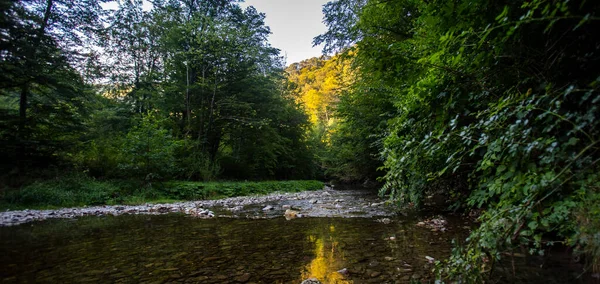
(182, 91)
(73, 191)
(493, 104)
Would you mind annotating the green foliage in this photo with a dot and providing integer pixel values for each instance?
(193, 164)
(495, 105)
(148, 150)
(320, 85)
(356, 137)
(80, 190)
(186, 90)
(76, 190)
(212, 190)
(39, 48)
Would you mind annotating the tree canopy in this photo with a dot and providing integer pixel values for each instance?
(185, 90)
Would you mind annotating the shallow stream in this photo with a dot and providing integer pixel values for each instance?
(179, 248)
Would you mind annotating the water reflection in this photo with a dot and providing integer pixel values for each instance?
(328, 259)
(174, 248)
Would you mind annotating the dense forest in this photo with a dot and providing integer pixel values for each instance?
(186, 90)
(493, 104)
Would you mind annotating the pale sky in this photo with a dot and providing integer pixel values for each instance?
(294, 24)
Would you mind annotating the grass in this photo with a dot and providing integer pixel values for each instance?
(73, 191)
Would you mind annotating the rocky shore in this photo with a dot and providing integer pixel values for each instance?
(321, 203)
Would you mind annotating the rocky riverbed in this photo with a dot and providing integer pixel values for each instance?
(321, 203)
(147, 245)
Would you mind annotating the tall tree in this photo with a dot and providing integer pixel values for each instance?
(40, 47)
(133, 54)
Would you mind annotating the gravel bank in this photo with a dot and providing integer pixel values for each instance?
(321, 203)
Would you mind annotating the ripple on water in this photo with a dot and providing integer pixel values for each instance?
(176, 248)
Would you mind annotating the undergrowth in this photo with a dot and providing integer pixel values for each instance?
(79, 190)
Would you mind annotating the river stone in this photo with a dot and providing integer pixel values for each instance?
(311, 281)
(200, 279)
(375, 274)
(211, 258)
(343, 271)
(374, 263)
(201, 209)
(243, 278)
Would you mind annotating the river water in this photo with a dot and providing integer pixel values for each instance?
(178, 248)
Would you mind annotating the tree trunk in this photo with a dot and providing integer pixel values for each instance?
(23, 107)
(47, 14)
(22, 133)
(188, 111)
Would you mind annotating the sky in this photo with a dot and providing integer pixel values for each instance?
(294, 24)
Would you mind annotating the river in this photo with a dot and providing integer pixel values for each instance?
(175, 247)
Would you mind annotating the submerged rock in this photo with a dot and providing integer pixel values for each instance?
(384, 220)
(243, 278)
(434, 224)
(430, 259)
(344, 271)
(375, 274)
(311, 281)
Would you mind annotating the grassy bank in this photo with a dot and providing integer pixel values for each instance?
(81, 191)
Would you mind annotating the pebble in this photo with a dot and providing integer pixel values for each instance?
(311, 281)
(351, 200)
(430, 259)
(344, 271)
(243, 278)
(375, 274)
(384, 220)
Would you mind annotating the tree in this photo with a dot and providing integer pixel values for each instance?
(134, 54)
(148, 150)
(207, 67)
(38, 51)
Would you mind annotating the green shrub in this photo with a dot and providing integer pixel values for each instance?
(81, 190)
(211, 190)
(67, 191)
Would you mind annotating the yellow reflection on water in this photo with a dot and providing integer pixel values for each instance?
(328, 260)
